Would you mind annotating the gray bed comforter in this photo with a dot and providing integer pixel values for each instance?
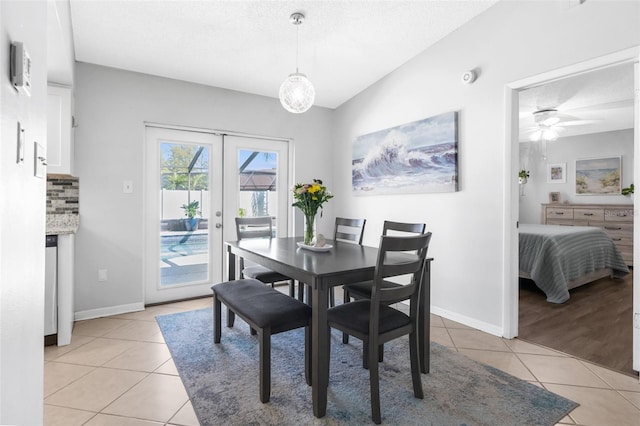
(553, 255)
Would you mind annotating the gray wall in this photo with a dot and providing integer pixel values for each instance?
(568, 150)
(22, 220)
(111, 108)
(507, 43)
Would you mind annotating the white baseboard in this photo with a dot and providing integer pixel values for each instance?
(470, 322)
(108, 311)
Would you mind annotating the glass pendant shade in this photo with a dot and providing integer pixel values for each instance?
(297, 93)
(545, 134)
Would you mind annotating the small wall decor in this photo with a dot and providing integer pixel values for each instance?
(598, 176)
(523, 176)
(416, 157)
(554, 197)
(557, 173)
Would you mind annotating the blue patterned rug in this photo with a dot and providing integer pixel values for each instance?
(222, 382)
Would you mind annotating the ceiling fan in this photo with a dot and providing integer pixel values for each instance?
(549, 123)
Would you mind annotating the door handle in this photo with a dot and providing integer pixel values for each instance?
(218, 225)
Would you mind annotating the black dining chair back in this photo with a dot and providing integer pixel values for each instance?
(350, 230)
(345, 230)
(259, 227)
(402, 228)
(254, 227)
(374, 321)
(363, 290)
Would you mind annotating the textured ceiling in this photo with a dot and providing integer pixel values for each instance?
(250, 46)
(593, 102)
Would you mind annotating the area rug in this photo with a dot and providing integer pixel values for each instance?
(222, 382)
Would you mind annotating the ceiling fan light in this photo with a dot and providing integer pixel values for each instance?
(536, 136)
(297, 93)
(549, 135)
(550, 121)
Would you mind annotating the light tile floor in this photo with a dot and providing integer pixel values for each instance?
(118, 372)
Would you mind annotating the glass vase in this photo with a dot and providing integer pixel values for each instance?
(309, 229)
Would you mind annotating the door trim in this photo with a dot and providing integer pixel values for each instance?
(510, 169)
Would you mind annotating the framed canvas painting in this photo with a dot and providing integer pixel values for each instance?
(557, 173)
(598, 176)
(416, 157)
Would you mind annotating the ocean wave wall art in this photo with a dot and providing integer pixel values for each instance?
(416, 157)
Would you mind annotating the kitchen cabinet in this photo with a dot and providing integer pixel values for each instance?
(66, 255)
(60, 142)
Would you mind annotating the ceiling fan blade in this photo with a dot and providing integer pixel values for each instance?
(626, 103)
(578, 122)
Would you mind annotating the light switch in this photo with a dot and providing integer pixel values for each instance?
(127, 187)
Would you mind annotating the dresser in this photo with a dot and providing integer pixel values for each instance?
(615, 219)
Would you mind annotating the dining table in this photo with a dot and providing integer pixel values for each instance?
(342, 263)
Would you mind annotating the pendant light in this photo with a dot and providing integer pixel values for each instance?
(296, 92)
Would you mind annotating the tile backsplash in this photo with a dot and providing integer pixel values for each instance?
(62, 194)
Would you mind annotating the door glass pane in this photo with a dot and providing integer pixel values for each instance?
(184, 214)
(257, 179)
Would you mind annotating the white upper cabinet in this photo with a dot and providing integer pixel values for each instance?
(59, 130)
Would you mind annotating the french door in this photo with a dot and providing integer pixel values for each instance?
(196, 183)
(183, 247)
(257, 181)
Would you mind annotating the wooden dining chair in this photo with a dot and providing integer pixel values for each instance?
(362, 290)
(259, 227)
(345, 231)
(375, 322)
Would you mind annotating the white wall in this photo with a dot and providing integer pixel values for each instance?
(568, 150)
(22, 220)
(111, 108)
(510, 41)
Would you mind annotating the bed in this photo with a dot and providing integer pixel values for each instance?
(558, 258)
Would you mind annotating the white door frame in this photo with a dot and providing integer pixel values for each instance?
(511, 200)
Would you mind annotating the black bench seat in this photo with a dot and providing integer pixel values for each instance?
(268, 312)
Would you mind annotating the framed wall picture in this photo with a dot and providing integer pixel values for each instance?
(412, 158)
(557, 173)
(599, 176)
(554, 197)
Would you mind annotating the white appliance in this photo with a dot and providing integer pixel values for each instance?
(51, 285)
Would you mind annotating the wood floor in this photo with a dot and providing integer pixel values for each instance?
(595, 324)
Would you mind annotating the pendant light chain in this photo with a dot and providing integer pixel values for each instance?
(297, 45)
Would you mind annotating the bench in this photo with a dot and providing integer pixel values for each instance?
(267, 311)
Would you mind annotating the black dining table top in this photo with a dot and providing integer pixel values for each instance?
(285, 251)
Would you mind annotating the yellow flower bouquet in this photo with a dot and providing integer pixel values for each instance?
(309, 198)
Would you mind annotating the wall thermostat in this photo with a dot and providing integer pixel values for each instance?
(20, 68)
(469, 77)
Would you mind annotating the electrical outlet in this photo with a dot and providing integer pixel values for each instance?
(102, 275)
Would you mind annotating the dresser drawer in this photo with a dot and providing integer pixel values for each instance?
(563, 222)
(559, 213)
(627, 254)
(589, 214)
(618, 215)
(618, 227)
(622, 239)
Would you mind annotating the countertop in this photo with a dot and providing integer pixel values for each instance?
(58, 224)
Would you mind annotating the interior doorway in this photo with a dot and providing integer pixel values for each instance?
(512, 214)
